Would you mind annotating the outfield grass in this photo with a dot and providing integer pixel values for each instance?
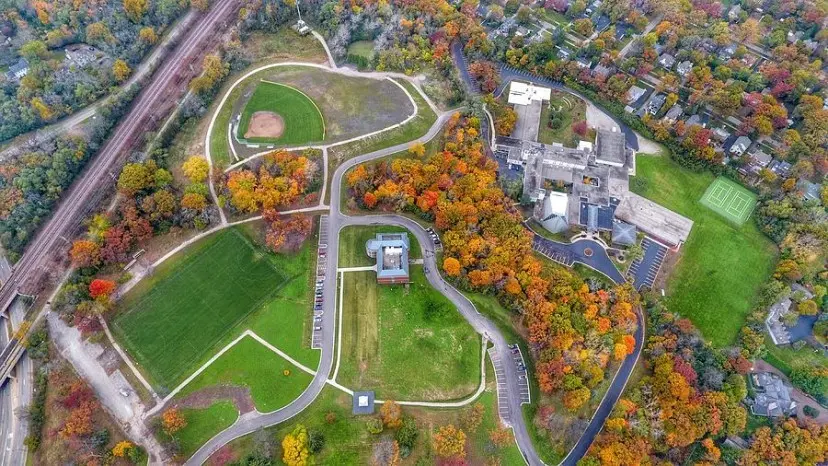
(352, 241)
(303, 119)
(384, 325)
(347, 442)
(171, 319)
(250, 364)
(572, 111)
(203, 424)
(721, 266)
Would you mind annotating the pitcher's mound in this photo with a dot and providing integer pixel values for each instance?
(265, 125)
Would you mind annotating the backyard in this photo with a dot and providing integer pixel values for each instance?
(384, 325)
(567, 110)
(721, 266)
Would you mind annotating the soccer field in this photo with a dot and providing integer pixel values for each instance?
(175, 317)
(303, 121)
(730, 200)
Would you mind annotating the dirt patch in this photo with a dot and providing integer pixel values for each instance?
(206, 397)
(265, 125)
(666, 270)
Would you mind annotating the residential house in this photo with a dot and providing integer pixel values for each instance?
(655, 103)
(684, 68)
(726, 53)
(635, 93)
(667, 61)
(674, 113)
(780, 167)
(721, 134)
(773, 396)
(734, 12)
(17, 70)
(758, 160)
(603, 71)
(810, 191)
(740, 145)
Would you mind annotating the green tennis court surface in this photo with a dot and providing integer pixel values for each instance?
(730, 200)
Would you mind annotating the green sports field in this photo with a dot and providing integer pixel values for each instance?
(171, 320)
(303, 119)
(730, 200)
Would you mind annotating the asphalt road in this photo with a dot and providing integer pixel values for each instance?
(160, 93)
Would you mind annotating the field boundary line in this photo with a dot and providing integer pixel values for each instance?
(220, 353)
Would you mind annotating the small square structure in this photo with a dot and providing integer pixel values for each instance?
(363, 403)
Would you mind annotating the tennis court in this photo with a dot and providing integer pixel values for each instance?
(730, 200)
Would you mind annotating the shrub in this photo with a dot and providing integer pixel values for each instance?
(374, 425)
(316, 441)
(810, 411)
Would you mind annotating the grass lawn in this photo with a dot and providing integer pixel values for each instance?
(362, 48)
(303, 119)
(730, 200)
(352, 241)
(569, 109)
(172, 318)
(347, 442)
(171, 340)
(284, 44)
(251, 364)
(416, 127)
(203, 424)
(721, 266)
(385, 325)
(786, 359)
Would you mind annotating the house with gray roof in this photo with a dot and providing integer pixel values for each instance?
(18, 70)
(740, 145)
(391, 252)
(635, 93)
(684, 68)
(810, 191)
(759, 159)
(780, 167)
(667, 61)
(674, 113)
(773, 396)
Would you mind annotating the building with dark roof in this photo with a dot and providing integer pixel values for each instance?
(773, 396)
(391, 252)
(610, 148)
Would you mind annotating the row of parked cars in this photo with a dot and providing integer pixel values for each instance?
(434, 238)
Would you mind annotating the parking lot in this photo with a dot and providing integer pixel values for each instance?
(502, 387)
(319, 299)
(552, 251)
(523, 376)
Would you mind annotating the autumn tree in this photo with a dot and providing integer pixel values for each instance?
(147, 35)
(136, 9)
(120, 70)
(100, 288)
(196, 169)
(391, 414)
(122, 448)
(172, 421)
(449, 442)
(471, 418)
(200, 4)
(133, 178)
(451, 266)
(79, 421)
(85, 253)
(295, 451)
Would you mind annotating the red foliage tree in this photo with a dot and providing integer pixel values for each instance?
(101, 288)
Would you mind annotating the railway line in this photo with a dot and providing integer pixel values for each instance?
(152, 103)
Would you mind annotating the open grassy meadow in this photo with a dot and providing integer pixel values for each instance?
(347, 442)
(721, 266)
(384, 326)
(203, 424)
(303, 121)
(251, 364)
(203, 298)
(352, 241)
(172, 318)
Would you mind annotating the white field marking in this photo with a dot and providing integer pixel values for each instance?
(364, 268)
(324, 176)
(127, 359)
(339, 325)
(220, 353)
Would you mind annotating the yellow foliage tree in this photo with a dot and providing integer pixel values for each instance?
(173, 421)
(43, 110)
(121, 449)
(196, 168)
(136, 9)
(391, 414)
(450, 442)
(574, 399)
(295, 447)
(120, 70)
(147, 35)
(200, 4)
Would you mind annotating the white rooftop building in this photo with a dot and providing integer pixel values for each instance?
(525, 93)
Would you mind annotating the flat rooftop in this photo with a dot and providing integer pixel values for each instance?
(657, 221)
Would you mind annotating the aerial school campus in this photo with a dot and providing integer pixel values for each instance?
(336, 262)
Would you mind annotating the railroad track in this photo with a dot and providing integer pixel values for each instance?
(152, 103)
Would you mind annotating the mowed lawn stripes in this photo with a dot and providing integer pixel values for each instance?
(180, 314)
